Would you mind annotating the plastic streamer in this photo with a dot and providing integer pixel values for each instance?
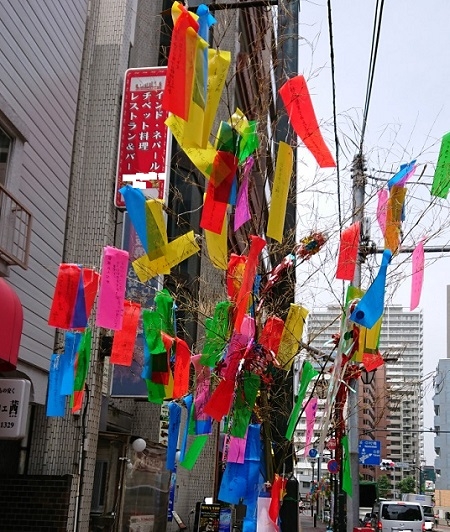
(174, 431)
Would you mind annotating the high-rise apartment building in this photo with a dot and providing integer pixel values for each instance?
(391, 408)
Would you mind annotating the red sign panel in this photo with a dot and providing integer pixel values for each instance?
(144, 142)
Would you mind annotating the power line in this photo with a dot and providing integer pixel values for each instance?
(373, 59)
(333, 89)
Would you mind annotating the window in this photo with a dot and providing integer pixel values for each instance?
(5, 149)
(99, 487)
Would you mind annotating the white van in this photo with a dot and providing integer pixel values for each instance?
(397, 516)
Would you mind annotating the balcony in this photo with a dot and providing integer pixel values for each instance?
(15, 230)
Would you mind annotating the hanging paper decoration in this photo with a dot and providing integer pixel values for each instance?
(401, 177)
(310, 413)
(242, 213)
(393, 218)
(271, 334)
(310, 245)
(308, 373)
(298, 104)
(372, 361)
(180, 66)
(125, 339)
(112, 288)
(67, 362)
(81, 369)
(278, 486)
(292, 335)
(348, 252)
(383, 197)
(280, 189)
(236, 448)
(201, 396)
(369, 310)
(174, 430)
(181, 372)
(256, 246)
(56, 402)
(235, 275)
(441, 180)
(65, 296)
(347, 485)
(194, 451)
(246, 393)
(188, 403)
(218, 192)
(418, 264)
(217, 334)
(217, 246)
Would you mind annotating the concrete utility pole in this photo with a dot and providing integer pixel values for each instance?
(358, 189)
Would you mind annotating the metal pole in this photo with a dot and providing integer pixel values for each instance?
(358, 189)
(312, 488)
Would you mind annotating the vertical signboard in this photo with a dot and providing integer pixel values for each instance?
(144, 141)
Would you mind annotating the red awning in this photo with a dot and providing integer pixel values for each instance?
(11, 323)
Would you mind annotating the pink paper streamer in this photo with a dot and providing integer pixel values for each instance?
(112, 288)
(236, 449)
(402, 181)
(418, 263)
(383, 197)
(202, 391)
(310, 412)
(242, 212)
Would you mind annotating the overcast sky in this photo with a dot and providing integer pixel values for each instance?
(409, 113)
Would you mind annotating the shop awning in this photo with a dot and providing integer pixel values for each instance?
(11, 324)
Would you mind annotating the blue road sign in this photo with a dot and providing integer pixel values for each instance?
(313, 453)
(369, 452)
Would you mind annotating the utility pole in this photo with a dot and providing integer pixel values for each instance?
(358, 193)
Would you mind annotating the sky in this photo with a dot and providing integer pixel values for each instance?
(408, 115)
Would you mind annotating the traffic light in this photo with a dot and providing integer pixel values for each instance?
(387, 465)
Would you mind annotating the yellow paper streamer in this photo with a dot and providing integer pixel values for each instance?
(156, 228)
(280, 189)
(218, 65)
(168, 388)
(201, 158)
(217, 246)
(239, 122)
(175, 252)
(292, 334)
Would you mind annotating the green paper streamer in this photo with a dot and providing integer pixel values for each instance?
(84, 357)
(245, 401)
(441, 180)
(346, 472)
(156, 392)
(194, 451)
(151, 320)
(217, 334)
(308, 373)
(164, 307)
(249, 142)
(228, 139)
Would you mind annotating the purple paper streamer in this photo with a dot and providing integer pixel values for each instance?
(242, 212)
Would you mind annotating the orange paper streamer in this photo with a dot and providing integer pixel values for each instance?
(124, 340)
(181, 373)
(180, 67)
(235, 274)
(393, 218)
(271, 334)
(66, 289)
(296, 99)
(348, 252)
(256, 246)
(218, 192)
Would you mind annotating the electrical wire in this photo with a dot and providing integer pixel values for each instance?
(333, 89)
(373, 60)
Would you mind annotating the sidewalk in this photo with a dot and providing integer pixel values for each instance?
(306, 524)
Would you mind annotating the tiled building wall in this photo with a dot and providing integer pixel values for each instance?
(34, 503)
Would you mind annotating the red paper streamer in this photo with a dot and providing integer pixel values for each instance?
(235, 274)
(181, 372)
(218, 192)
(163, 377)
(271, 334)
(66, 289)
(256, 246)
(278, 486)
(124, 340)
(297, 100)
(220, 401)
(372, 361)
(178, 87)
(91, 280)
(348, 252)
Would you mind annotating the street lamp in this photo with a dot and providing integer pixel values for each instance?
(367, 376)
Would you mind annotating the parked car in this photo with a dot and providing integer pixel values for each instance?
(397, 515)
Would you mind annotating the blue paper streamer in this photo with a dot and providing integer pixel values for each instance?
(401, 174)
(205, 21)
(188, 400)
(135, 204)
(370, 308)
(174, 431)
(203, 426)
(146, 372)
(56, 403)
(67, 363)
(79, 318)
